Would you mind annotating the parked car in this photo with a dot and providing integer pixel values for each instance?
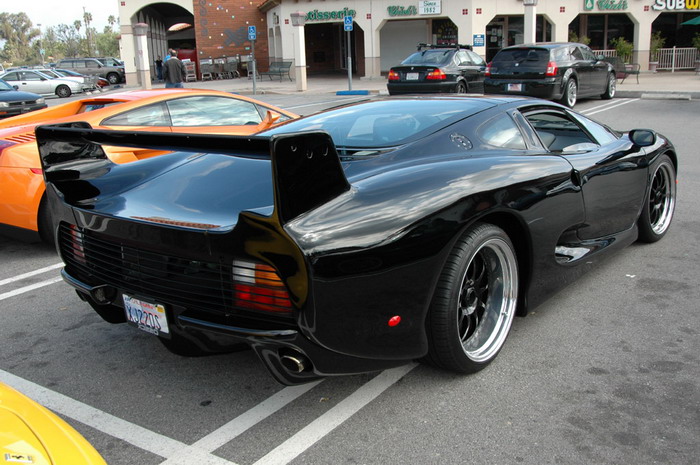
(560, 71)
(33, 434)
(14, 102)
(98, 81)
(87, 82)
(23, 208)
(34, 81)
(354, 239)
(438, 68)
(110, 61)
(93, 67)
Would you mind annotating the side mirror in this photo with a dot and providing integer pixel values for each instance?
(16, 87)
(642, 137)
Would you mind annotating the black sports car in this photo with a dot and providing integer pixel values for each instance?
(438, 69)
(558, 71)
(355, 239)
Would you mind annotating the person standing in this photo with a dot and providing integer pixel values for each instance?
(174, 71)
(159, 68)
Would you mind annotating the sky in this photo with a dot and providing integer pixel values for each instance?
(52, 12)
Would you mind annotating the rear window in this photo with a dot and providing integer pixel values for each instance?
(521, 56)
(429, 57)
(384, 123)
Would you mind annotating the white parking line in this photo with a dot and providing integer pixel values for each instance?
(608, 106)
(31, 287)
(317, 429)
(20, 277)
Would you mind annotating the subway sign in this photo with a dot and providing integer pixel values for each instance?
(676, 5)
(330, 15)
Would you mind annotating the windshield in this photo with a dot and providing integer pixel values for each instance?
(67, 72)
(5, 86)
(384, 123)
(429, 57)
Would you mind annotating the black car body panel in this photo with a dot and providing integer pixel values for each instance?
(357, 234)
(523, 70)
(438, 69)
(18, 102)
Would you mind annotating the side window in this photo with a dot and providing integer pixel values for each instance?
(11, 77)
(151, 115)
(602, 134)
(462, 57)
(476, 58)
(577, 54)
(79, 64)
(212, 111)
(588, 54)
(29, 76)
(502, 131)
(559, 133)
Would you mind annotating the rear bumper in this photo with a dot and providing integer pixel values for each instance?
(421, 87)
(547, 88)
(273, 346)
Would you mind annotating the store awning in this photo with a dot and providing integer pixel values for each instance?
(692, 22)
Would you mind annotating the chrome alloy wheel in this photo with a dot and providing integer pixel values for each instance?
(612, 85)
(571, 93)
(487, 300)
(662, 198)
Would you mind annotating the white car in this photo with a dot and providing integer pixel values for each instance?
(30, 80)
(88, 82)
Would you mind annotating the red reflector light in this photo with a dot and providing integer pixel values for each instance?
(394, 320)
(393, 75)
(551, 69)
(76, 237)
(436, 75)
(488, 70)
(36, 170)
(259, 287)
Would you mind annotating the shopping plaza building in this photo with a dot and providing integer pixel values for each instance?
(384, 32)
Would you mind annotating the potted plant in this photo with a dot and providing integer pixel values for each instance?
(655, 44)
(623, 48)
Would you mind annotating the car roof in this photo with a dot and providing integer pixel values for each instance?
(547, 45)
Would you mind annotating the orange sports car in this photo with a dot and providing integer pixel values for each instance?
(196, 111)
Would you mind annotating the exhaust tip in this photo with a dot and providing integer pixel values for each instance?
(295, 363)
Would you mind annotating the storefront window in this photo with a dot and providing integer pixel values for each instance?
(444, 32)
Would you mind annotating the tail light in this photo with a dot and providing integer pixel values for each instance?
(259, 287)
(77, 246)
(551, 69)
(393, 75)
(487, 73)
(436, 75)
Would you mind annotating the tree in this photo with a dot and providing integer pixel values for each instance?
(17, 31)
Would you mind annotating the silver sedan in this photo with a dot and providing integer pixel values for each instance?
(29, 80)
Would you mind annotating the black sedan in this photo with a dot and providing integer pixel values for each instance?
(556, 71)
(438, 69)
(14, 102)
(355, 239)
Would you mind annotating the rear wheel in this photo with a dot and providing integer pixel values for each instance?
(660, 202)
(610, 88)
(570, 93)
(475, 301)
(461, 88)
(63, 91)
(113, 78)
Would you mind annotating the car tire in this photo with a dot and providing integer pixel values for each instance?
(113, 78)
(570, 93)
(45, 222)
(63, 91)
(660, 202)
(461, 88)
(610, 88)
(474, 302)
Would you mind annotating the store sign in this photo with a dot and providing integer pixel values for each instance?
(402, 10)
(605, 5)
(676, 5)
(429, 7)
(330, 15)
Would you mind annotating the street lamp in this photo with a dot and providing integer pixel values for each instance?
(298, 21)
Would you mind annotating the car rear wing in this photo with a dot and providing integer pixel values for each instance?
(306, 170)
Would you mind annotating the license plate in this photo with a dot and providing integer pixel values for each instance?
(411, 76)
(146, 316)
(515, 88)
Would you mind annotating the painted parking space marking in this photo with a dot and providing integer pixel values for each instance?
(319, 428)
(29, 274)
(29, 288)
(606, 107)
